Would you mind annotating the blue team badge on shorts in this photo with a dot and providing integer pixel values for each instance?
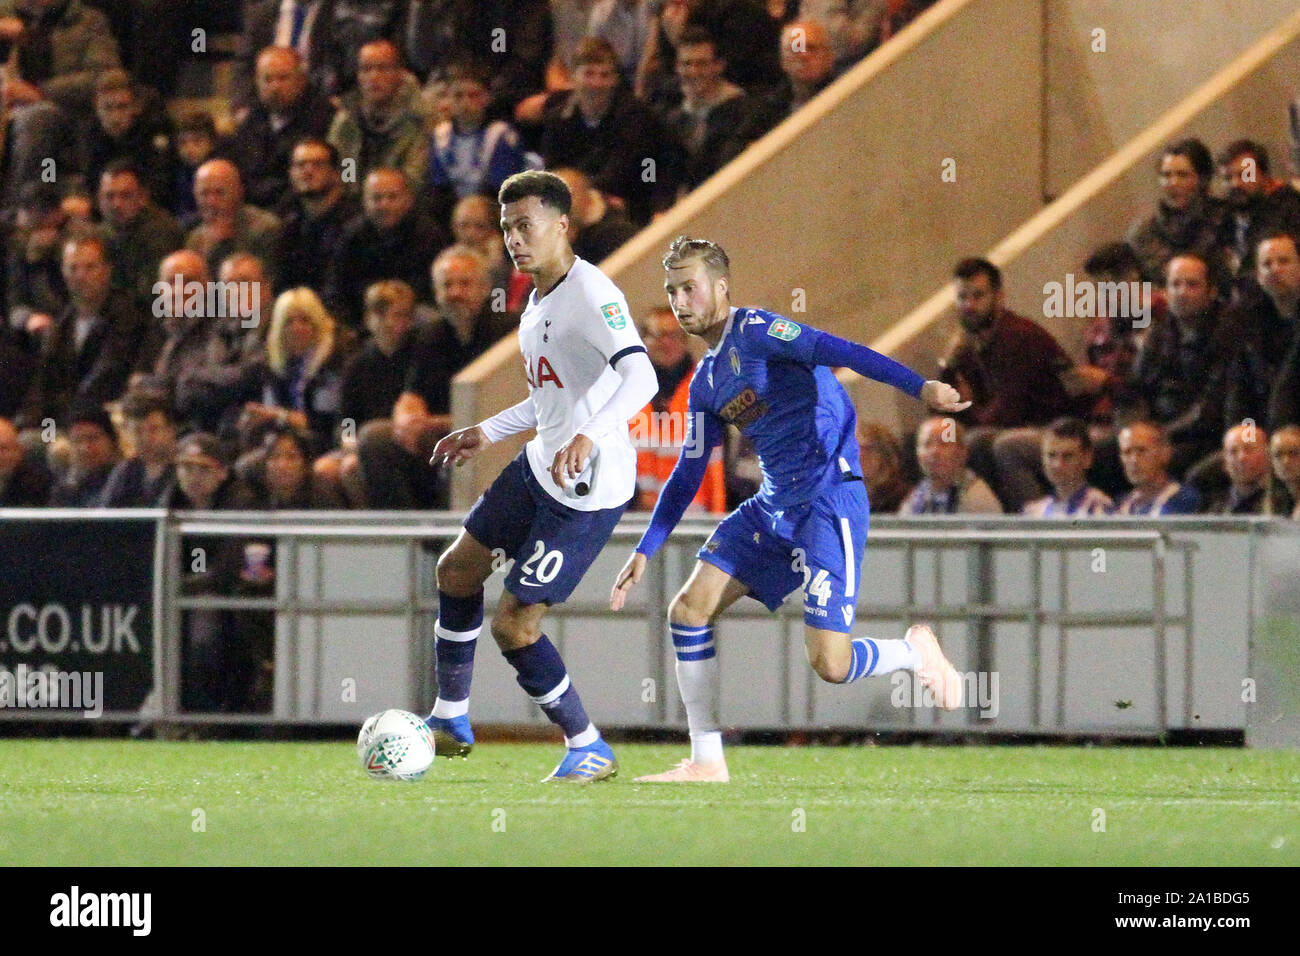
(784, 330)
(735, 360)
(614, 317)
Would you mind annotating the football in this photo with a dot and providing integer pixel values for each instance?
(395, 745)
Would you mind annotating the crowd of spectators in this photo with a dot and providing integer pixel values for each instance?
(354, 198)
(1188, 397)
(343, 209)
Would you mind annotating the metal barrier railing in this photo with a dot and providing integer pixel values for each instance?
(978, 611)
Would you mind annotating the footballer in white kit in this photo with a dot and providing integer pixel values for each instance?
(551, 509)
(572, 342)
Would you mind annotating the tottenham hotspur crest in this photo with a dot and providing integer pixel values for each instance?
(735, 360)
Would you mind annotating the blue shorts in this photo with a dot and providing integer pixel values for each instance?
(552, 545)
(817, 547)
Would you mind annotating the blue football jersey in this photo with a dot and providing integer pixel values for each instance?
(761, 378)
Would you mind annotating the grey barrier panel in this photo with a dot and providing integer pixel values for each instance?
(1271, 687)
(983, 587)
(1075, 647)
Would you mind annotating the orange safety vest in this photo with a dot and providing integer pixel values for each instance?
(658, 439)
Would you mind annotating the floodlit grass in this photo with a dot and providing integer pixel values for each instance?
(72, 802)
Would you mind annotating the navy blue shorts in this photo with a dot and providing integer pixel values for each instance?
(551, 544)
(817, 547)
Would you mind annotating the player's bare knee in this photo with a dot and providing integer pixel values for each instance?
(513, 630)
(686, 610)
(827, 669)
(826, 665)
(457, 575)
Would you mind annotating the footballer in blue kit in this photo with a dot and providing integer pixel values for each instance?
(806, 527)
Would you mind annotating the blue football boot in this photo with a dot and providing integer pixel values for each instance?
(452, 736)
(584, 765)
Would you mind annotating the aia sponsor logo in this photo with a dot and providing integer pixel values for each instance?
(541, 373)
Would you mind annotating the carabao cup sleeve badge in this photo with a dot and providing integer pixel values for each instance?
(614, 317)
(784, 330)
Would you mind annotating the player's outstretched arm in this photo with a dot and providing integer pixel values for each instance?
(942, 397)
(627, 578)
(459, 447)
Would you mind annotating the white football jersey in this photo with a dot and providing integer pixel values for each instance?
(569, 339)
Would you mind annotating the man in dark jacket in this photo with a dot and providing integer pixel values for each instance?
(129, 124)
(287, 109)
(314, 218)
(1259, 336)
(392, 241)
(716, 119)
(1176, 359)
(1258, 204)
(600, 128)
(144, 479)
(808, 65)
(306, 26)
(91, 349)
(137, 233)
(94, 452)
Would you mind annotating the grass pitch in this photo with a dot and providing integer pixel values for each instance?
(109, 802)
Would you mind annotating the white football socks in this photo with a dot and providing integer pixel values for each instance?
(698, 681)
(897, 655)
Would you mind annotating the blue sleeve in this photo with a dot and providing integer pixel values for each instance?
(683, 483)
(775, 336)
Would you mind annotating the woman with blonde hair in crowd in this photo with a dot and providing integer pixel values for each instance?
(298, 381)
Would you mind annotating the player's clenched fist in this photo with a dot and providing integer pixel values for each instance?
(459, 447)
(630, 575)
(942, 397)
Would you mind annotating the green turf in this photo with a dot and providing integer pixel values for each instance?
(66, 802)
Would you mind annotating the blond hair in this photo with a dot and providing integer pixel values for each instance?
(684, 248)
(304, 300)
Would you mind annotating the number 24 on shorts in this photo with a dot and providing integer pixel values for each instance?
(819, 587)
